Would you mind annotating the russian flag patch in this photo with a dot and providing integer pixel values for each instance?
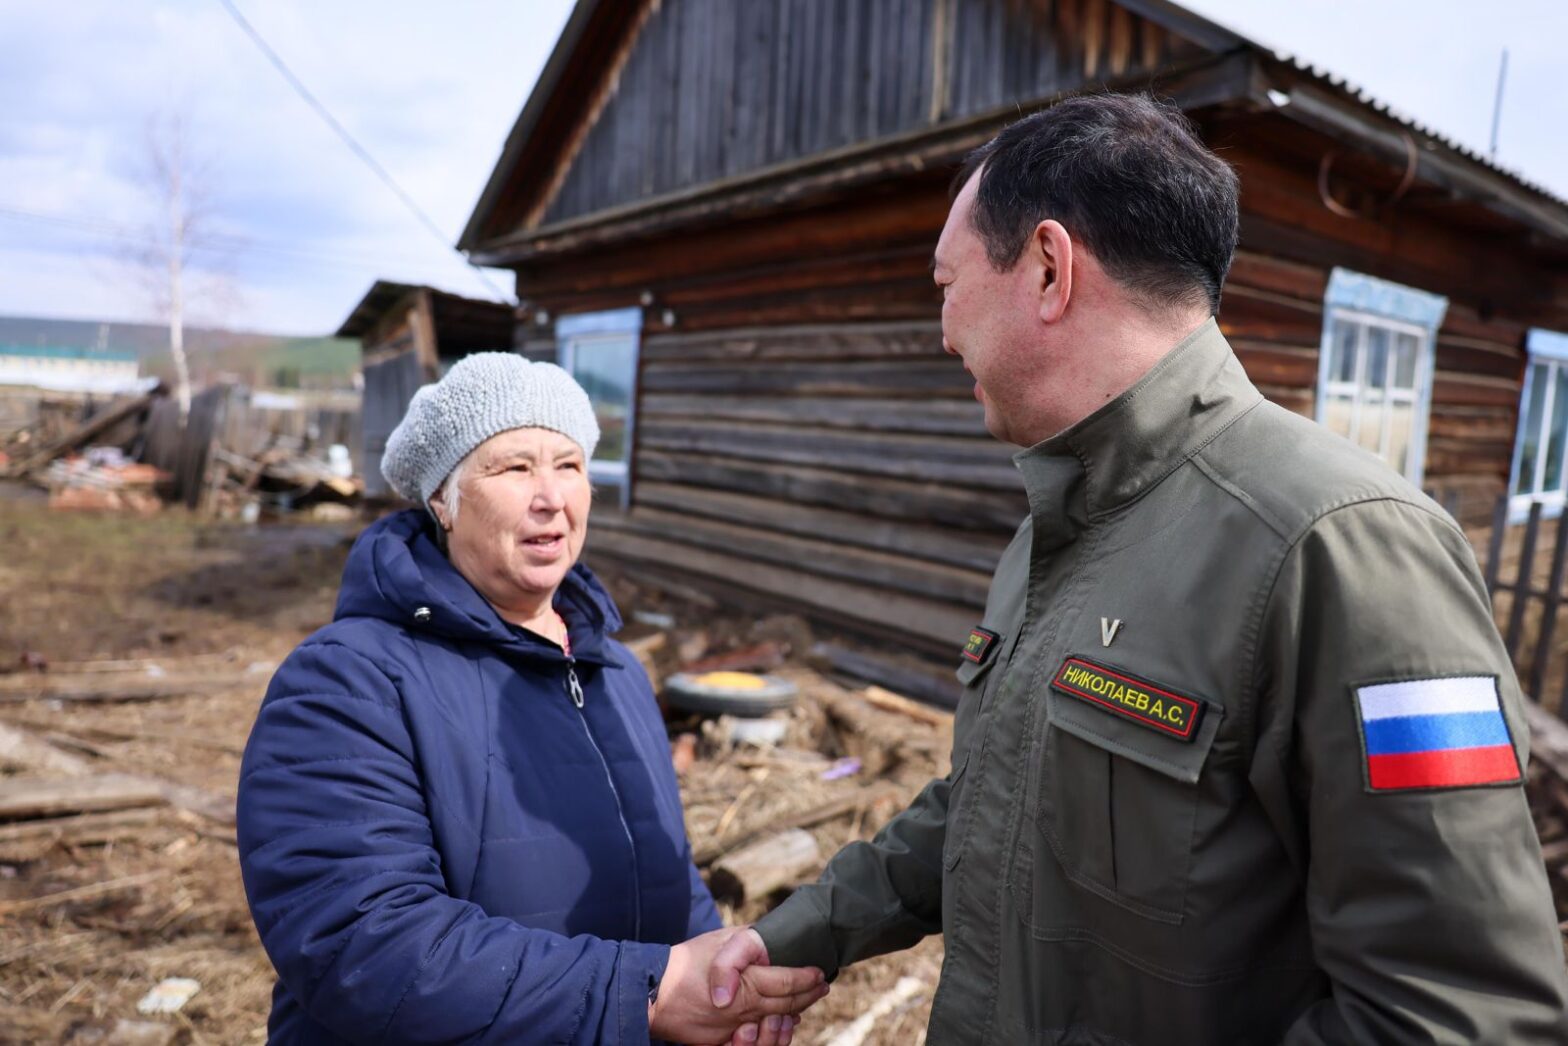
(1436, 733)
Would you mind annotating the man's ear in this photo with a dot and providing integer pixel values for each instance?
(1052, 249)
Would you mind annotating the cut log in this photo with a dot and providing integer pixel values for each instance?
(871, 735)
(28, 797)
(26, 751)
(891, 702)
(779, 861)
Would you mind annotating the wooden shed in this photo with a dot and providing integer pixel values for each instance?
(723, 215)
(409, 335)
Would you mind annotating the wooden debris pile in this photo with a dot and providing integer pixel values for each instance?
(1548, 794)
(100, 849)
(764, 818)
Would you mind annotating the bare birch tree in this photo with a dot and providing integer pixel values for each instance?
(178, 181)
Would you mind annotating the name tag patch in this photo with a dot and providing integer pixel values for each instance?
(1436, 733)
(1139, 700)
(980, 644)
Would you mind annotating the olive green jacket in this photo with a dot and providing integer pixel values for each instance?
(1169, 830)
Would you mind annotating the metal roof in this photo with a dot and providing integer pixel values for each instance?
(1357, 93)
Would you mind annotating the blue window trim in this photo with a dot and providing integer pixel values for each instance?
(1541, 346)
(1359, 295)
(609, 321)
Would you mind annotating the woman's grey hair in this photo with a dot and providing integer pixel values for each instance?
(451, 490)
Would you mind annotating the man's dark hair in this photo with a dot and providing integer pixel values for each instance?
(1127, 176)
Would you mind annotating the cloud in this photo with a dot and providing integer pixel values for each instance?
(429, 90)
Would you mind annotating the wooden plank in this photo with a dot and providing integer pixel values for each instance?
(85, 433)
(1550, 608)
(969, 549)
(940, 504)
(24, 797)
(1524, 586)
(965, 462)
(868, 341)
(136, 687)
(931, 625)
(933, 416)
(22, 749)
(82, 828)
(874, 569)
(943, 692)
(1494, 545)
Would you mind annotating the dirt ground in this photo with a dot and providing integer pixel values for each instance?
(97, 909)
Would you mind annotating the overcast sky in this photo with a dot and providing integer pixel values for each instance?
(431, 91)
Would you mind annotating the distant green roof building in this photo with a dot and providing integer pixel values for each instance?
(65, 352)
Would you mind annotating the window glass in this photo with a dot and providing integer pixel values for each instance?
(1342, 367)
(1553, 480)
(1530, 429)
(1372, 392)
(1405, 346)
(605, 366)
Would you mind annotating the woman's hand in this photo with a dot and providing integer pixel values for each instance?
(685, 1012)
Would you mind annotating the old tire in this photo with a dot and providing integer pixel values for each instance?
(708, 695)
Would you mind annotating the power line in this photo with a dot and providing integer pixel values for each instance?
(354, 146)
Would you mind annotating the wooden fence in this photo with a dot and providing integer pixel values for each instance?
(1527, 596)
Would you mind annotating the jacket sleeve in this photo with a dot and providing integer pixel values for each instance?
(346, 889)
(1428, 906)
(873, 897)
(704, 913)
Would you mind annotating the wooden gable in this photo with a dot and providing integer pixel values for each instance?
(698, 92)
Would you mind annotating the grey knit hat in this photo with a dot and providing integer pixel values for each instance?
(482, 395)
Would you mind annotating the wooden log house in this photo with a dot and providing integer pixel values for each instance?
(721, 214)
(409, 335)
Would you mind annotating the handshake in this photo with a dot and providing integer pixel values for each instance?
(719, 988)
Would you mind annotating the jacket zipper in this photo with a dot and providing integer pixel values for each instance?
(574, 690)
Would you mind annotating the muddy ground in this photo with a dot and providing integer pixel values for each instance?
(96, 911)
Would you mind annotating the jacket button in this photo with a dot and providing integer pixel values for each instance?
(422, 614)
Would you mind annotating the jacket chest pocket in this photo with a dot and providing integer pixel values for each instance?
(969, 737)
(1115, 799)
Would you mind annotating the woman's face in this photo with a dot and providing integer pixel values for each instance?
(521, 518)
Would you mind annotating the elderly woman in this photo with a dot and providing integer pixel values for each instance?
(458, 819)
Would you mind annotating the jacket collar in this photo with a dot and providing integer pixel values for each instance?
(397, 572)
(1128, 446)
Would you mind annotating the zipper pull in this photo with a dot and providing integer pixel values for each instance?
(573, 687)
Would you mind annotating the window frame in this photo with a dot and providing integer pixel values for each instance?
(1548, 348)
(570, 332)
(1419, 398)
(1371, 302)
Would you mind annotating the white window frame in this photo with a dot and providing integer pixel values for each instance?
(576, 332)
(1371, 302)
(1419, 398)
(1550, 349)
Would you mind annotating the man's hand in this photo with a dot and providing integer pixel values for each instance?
(756, 1006)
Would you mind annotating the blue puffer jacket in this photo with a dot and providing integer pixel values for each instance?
(438, 845)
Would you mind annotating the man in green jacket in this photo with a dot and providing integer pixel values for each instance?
(1240, 754)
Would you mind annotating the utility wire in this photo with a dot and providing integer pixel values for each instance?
(354, 146)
